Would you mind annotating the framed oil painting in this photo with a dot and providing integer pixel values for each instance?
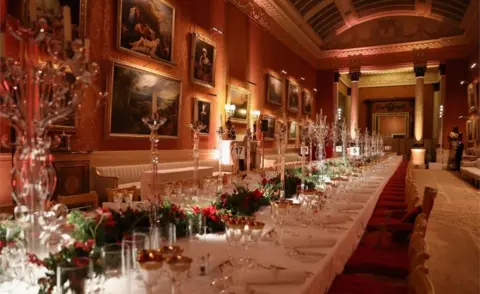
(201, 113)
(239, 97)
(307, 103)
(202, 64)
(52, 12)
(146, 28)
(269, 135)
(274, 90)
(293, 96)
(136, 93)
(472, 98)
(292, 131)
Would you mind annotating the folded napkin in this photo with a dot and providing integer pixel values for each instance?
(306, 242)
(266, 277)
(348, 206)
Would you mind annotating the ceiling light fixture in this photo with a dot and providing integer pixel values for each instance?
(315, 89)
(473, 65)
(302, 78)
(284, 72)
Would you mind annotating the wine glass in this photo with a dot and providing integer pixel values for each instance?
(131, 246)
(179, 267)
(150, 263)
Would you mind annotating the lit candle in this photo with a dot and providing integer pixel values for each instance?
(67, 23)
(87, 49)
(2, 44)
(32, 9)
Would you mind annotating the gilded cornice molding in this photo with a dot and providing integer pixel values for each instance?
(398, 79)
(395, 48)
(253, 11)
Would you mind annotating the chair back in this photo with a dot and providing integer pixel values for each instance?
(428, 200)
(132, 189)
(412, 197)
(420, 225)
(419, 282)
(417, 250)
(81, 201)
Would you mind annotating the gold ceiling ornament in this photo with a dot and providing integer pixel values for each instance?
(254, 11)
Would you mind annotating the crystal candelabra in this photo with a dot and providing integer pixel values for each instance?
(321, 134)
(366, 143)
(304, 150)
(344, 135)
(334, 136)
(196, 128)
(220, 133)
(154, 122)
(281, 136)
(43, 85)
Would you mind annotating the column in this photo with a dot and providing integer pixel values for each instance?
(348, 106)
(354, 76)
(443, 91)
(420, 81)
(336, 79)
(436, 111)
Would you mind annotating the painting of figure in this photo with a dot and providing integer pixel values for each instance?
(274, 90)
(202, 65)
(292, 131)
(201, 113)
(472, 97)
(270, 133)
(146, 27)
(239, 97)
(307, 103)
(136, 94)
(293, 96)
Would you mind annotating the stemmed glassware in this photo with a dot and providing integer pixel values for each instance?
(169, 187)
(179, 267)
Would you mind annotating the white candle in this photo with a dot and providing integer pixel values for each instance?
(32, 10)
(67, 23)
(87, 49)
(2, 44)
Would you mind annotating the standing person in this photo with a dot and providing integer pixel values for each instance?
(453, 139)
(459, 152)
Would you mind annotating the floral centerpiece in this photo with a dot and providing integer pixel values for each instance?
(242, 201)
(78, 255)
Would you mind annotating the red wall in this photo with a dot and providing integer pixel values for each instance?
(245, 52)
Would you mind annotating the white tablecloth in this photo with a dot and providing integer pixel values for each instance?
(168, 175)
(321, 272)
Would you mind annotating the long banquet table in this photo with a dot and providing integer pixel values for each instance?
(319, 274)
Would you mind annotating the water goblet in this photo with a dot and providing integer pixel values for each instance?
(179, 267)
(73, 277)
(131, 245)
(150, 263)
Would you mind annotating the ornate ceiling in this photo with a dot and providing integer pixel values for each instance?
(350, 29)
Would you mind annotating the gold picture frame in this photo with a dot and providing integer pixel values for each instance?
(237, 95)
(196, 71)
(144, 44)
(293, 96)
(170, 83)
(292, 130)
(272, 125)
(199, 103)
(274, 89)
